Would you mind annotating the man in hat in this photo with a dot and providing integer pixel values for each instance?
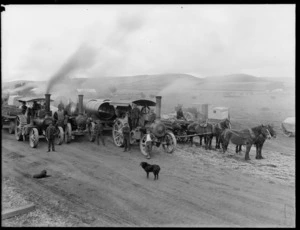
(126, 135)
(135, 114)
(24, 107)
(99, 132)
(180, 114)
(35, 108)
(50, 135)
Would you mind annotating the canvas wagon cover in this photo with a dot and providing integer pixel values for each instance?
(289, 124)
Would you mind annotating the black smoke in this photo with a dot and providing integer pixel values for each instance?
(83, 58)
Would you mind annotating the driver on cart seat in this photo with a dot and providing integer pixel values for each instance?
(180, 114)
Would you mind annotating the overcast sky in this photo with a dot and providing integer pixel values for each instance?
(122, 40)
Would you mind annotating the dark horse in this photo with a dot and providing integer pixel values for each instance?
(259, 142)
(219, 128)
(202, 130)
(244, 137)
(208, 131)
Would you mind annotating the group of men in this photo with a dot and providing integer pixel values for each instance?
(134, 117)
(137, 117)
(51, 130)
(35, 107)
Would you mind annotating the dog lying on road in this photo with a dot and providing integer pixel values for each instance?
(151, 168)
(42, 174)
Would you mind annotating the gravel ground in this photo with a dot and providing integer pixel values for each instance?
(40, 217)
(92, 185)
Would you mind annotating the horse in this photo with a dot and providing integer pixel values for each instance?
(259, 143)
(219, 128)
(202, 130)
(244, 137)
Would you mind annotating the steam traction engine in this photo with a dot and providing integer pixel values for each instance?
(101, 110)
(158, 131)
(75, 120)
(33, 124)
(81, 118)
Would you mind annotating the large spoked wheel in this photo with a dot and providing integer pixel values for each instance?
(169, 143)
(182, 136)
(21, 121)
(117, 133)
(92, 135)
(60, 136)
(287, 134)
(68, 133)
(11, 128)
(33, 138)
(143, 144)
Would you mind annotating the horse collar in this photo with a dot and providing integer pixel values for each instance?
(252, 133)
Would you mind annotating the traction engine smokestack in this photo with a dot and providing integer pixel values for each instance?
(158, 107)
(47, 103)
(80, 104)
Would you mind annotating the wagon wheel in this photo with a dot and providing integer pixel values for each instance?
(117, 133)
(143, 144)
(182, 139)
(21, 121)
(68, 133)
(170, 142)
(60, 136)
(92, 135)
(287, 134)
(33, 137)
(11, 129)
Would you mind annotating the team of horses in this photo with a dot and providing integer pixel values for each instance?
(224, 135)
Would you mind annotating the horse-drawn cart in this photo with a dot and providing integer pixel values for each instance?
(160, 135)
(179, 127)
(10, 110)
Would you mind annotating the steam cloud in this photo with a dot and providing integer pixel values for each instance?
(182, 84)
(83, 58)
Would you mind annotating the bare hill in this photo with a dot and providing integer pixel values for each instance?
(235, 78)
(151, 84)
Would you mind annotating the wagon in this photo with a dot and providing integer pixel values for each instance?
(149, 121)
(289, 127)
(178, 127)
(33, 126)
(10, 112)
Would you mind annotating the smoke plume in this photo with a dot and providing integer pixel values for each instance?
(83, 58)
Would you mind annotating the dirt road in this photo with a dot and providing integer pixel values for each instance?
(104, 186)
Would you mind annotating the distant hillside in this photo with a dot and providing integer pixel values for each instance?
(235, 78)
(149, 84)
(145, 82)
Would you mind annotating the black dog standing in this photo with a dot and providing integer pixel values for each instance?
(151, 168)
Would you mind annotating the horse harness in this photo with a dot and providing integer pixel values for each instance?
(251, 133)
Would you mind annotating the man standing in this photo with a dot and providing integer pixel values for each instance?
(135, 114)
(99, 132)
(126, 135)
(180, 114)
(50, 135)
(35, 108)
(24, 107)
(148, 144)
